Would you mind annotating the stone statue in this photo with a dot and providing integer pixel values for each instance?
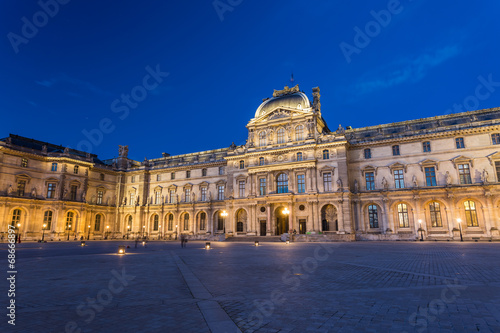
(340, 130)
(316, 99)
(123, 151)
(414, 181)
(66, 150)
(44, 149)
(485, 176)
(209, 195)
(385, 184)
(137, 200)
(448, 178)
(356, 186)
(193, 197)
(65, 193)
(339, 184)
(124, 201)
(84, 194)
(10, 190)
(33, 192)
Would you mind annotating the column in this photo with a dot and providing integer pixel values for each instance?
(268, 222)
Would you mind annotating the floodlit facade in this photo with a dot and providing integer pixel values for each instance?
(430, 178)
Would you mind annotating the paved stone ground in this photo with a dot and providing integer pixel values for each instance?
(301, 287)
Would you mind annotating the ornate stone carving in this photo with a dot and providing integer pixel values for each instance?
(279, 114)
(316, 99)
(484, 177)
(286, 91)
(448, 178)
(385, 184)
(123, 151)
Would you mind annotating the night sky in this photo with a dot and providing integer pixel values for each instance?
(199, 69)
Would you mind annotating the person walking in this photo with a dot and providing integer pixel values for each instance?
(182, 240)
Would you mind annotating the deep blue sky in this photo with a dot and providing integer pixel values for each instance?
(65, 78)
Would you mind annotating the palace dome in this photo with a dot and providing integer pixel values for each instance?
(296, 100)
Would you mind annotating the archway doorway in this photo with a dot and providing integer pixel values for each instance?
(329, 220)
(281, 221)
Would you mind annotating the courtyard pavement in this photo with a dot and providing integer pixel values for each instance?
(300, 287)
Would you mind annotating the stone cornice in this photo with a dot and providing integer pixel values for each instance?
(283, 166)
(288, 149)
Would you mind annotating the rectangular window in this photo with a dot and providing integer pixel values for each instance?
(495, 138)
(327, 181)
(157, 197)
(399, 179)
(242, 188)
(21, 186)
(158, 178)
(301, 184)
(220, 192)
(54, 167)
(460, 143)
(132, 199)
(172, 196)
(302, 227)
(430, 176)
(373, 216)
(497, 168)
(368, 153)
(132, 179)
(221, 171)
(464, 173)
(262, 186)
(188, 174)
(99, 197)
(187, 195)
(395, 150)
(203, 194)
(203, 172)
(370, 181)
(172, 175)
(24, 162)
(51, 190)
(75, 169)
(72, 193)
(426, 146)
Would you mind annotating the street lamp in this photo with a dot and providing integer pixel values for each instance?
(68, 228)
(107, 232)
(421, 230)
(88, 233)
(159, 232)
(143, 229)
(19, 232)
(43, 231)
(128, 230)
(224, 214)
(459, 220)
(286, 212)
(176, 231)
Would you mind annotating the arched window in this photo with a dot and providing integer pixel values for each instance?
(97, 225)
(262, 139)
(47, 219)
(373, 216)
(282, 183)
(155, 223)
(203, 219)
(404, 221)
(69, 220)
(186, 221)
(242, 164)
(299, 156)
(435, 211)
(261, 161)
(281, 135)
(326, 154)
(16, 217)
(471, 213)
(129, 223)
(239, 227)
(220, 221)
(170, 222)
(299, 133)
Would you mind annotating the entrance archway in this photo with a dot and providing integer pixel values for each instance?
(329, 220)
(281, 221)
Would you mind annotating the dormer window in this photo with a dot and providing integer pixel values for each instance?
(242, 164)
(261, 161)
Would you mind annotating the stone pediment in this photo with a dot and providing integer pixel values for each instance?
(493, 157)
(428, 163)
(462, 160)
(396, 166)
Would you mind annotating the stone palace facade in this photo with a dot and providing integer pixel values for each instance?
(425, 178)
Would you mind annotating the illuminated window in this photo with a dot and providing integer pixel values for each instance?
(16, 217)
(97, 225)
(21, 186)
(464, 173)
(299, 133)
(220, 192)
(281, 135)
(262, 139)
(399, 180)
(203, 219)
(404, 221)
(435, 211)
(157, 198)
(155, 222)
(470, 213)
(24, 162)
(186, 222)
(99, 197)
(301, 184)
(282, 183)
(187, 195)
(51, 190)
(203, 194)
(327, 181)
(47, 219)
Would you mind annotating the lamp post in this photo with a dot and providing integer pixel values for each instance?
(286, 212)
(88, 233)
(459, 220)
(421, 230)
(107, 232)
(19, 232)
(159, 232)
(143, 230)
(224, 214)
(68, 228)
(43, 231)
(128, 230)
(176, 231)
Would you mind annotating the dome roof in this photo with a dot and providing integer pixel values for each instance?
(297, 100)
